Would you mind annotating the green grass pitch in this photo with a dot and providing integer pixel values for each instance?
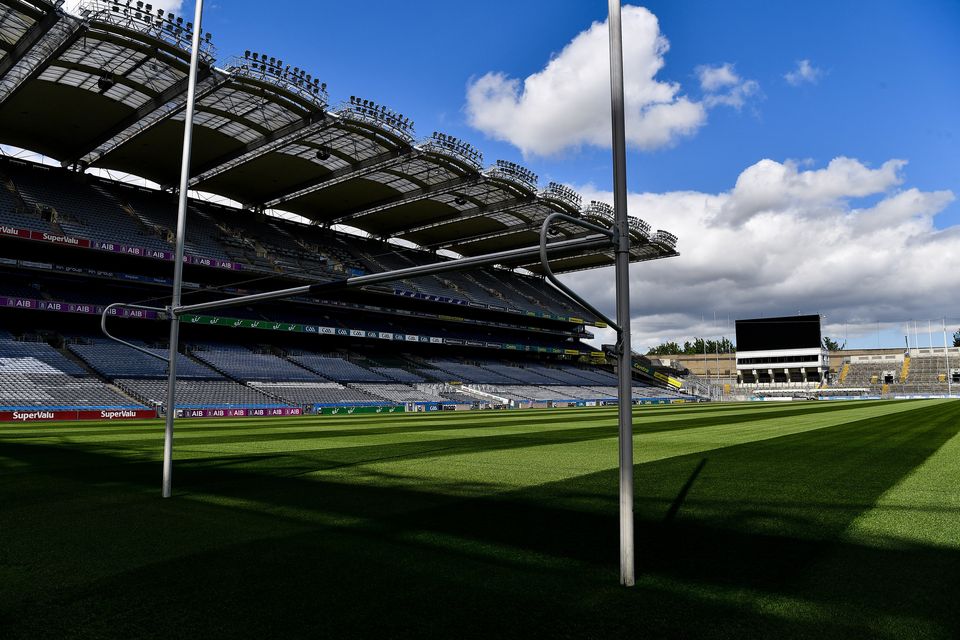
(776, 520)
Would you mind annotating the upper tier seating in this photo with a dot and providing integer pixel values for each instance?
(14, 214)
(83, 210)
(338, 369)
(106, 211)
(160, 210)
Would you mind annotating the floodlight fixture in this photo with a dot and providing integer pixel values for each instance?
(665, 240)
(323, 153)
(381, 114)
(460, 200)
(563, 194)
(639, 229)
(451, 146)
(506, 170)
(599, 213)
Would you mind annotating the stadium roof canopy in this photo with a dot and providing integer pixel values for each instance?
(107, 89)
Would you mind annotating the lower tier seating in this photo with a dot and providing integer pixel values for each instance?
(198, 393)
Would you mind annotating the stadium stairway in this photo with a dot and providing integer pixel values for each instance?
(905, 370)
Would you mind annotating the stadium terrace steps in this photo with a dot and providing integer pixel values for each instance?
(402, 393)
(338, 369)
(311, 393)
(399, 375)
(113, 360)
(160, 211)
(83, 210)
(247, 366)
(198, 393)
(35, 375)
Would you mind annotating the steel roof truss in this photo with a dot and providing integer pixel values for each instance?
(54, 36)
(165, 105)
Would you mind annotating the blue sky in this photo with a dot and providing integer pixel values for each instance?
(888, 90)
(804, 152)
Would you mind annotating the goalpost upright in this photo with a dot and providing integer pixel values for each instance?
(618, 235)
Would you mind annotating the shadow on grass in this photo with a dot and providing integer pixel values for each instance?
(757, 549)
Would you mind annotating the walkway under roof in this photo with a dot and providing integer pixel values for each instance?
(107, 89)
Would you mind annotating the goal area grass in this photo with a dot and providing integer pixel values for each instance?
(769, 520)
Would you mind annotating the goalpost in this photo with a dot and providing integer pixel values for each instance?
(617, 237)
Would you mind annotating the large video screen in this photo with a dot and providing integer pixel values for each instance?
(790, 332)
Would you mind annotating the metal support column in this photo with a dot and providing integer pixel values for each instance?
(178, 256)
(622, 256)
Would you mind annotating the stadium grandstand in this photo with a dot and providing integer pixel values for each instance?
(307, 192)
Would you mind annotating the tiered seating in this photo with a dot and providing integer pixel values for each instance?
(309, 393)
(458, 397)
(498, 293)
(219, 394)
(526, 375)
(929, 373)
(338, 369)
(398, 374)
(13, 214)
(594, 375)
(271, 235)
(534, 290)
(43, 352)
(18, 290)
(472, 373)
(84, 210)
(564, 392)
(868, 374)
(525, 392)
(104, 211)
(46, 390)
(35, 375)
(248, 366)
(400, 392)
(114, 360)
(564, 375)
(160, 210)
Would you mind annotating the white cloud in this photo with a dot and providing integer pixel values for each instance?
(567, 104)
(713, 79)
(723, 86)
(784, 240)
(167, 5)
(805, 72)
